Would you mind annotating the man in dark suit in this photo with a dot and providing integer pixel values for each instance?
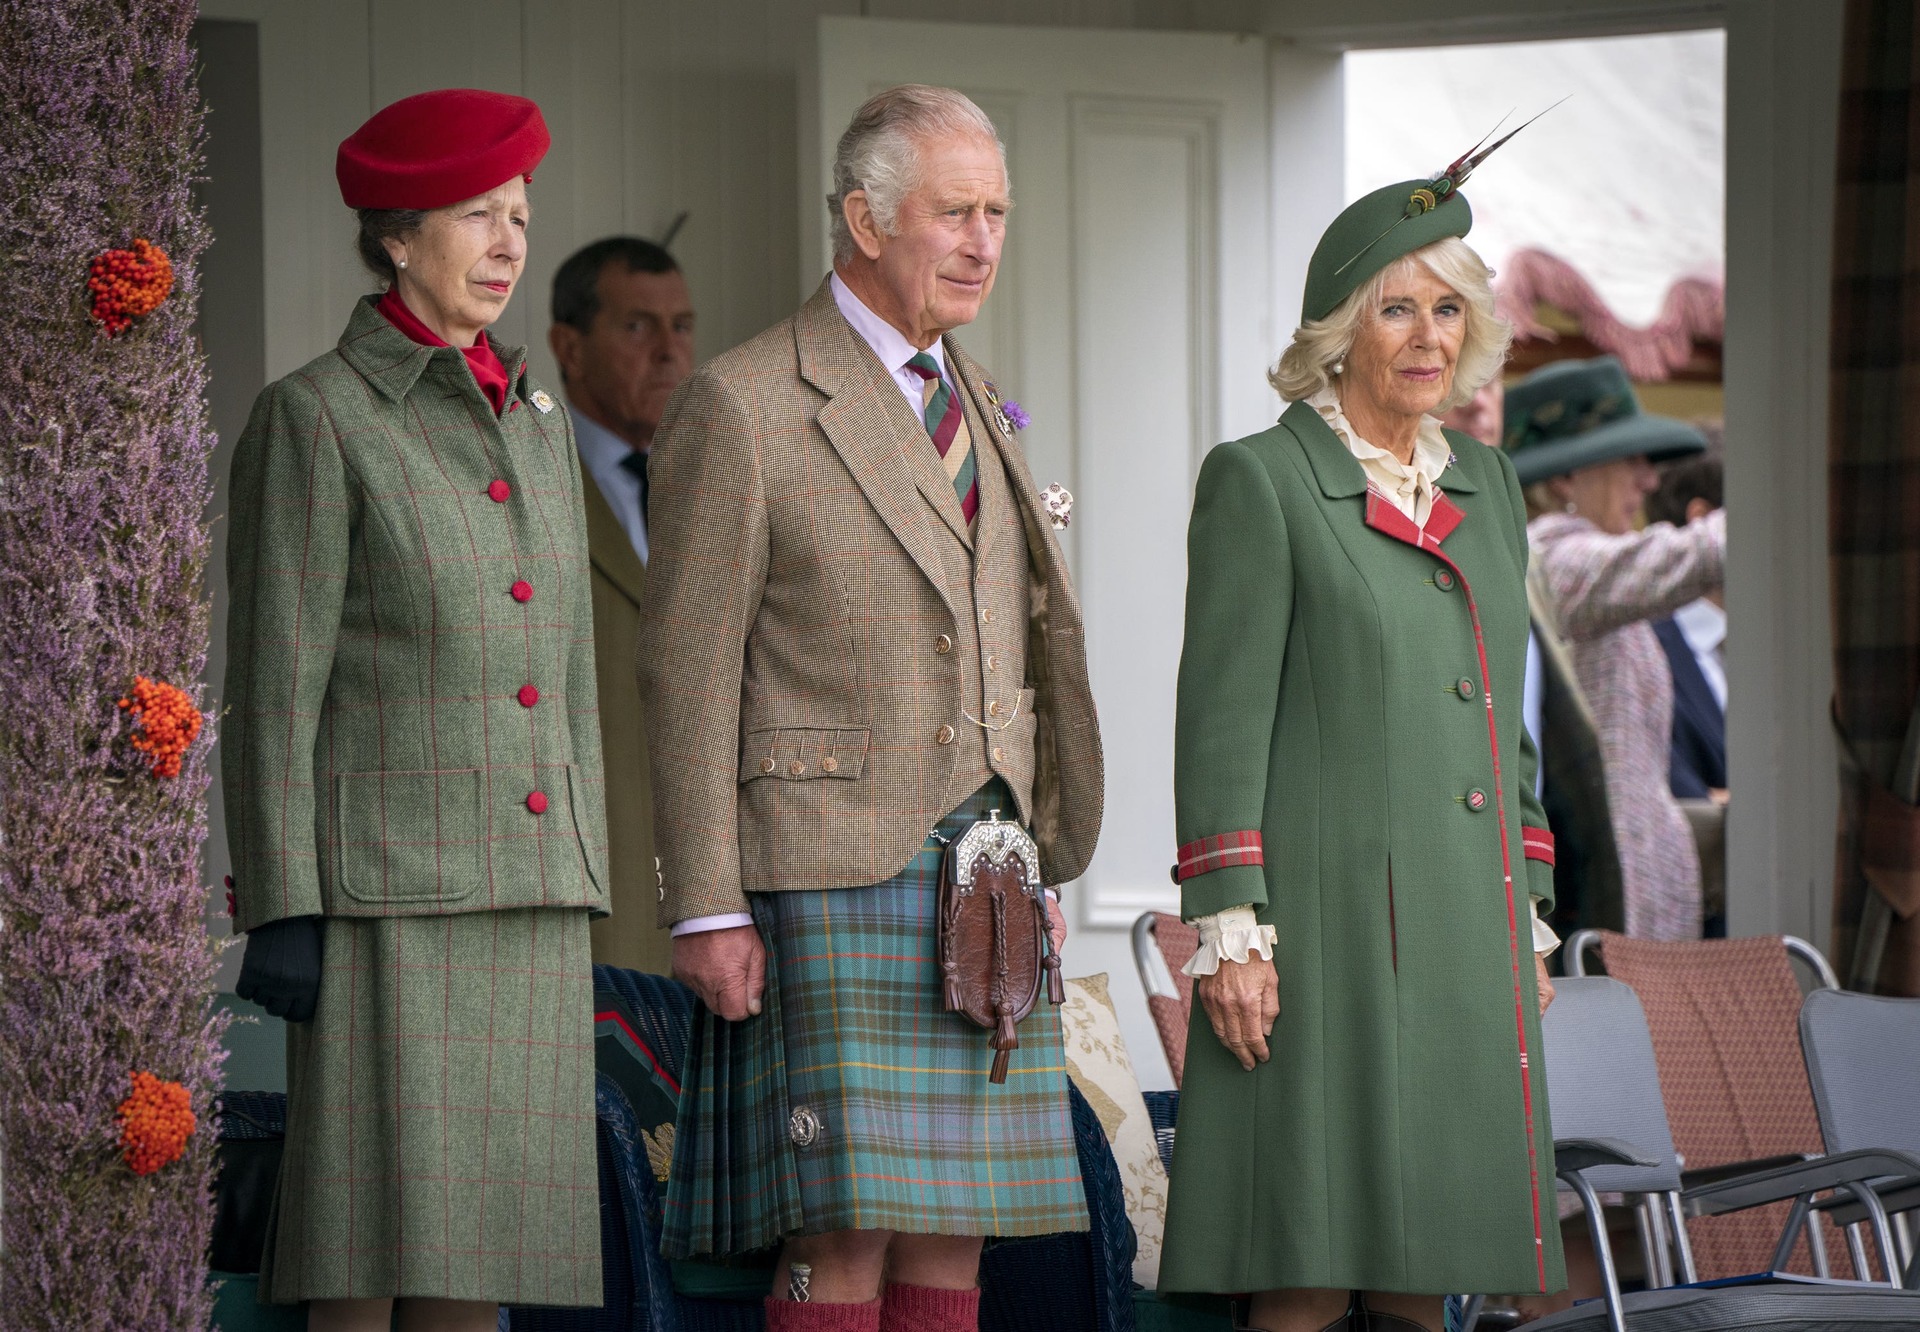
(623, 336)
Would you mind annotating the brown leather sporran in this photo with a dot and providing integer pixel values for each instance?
(993, 938)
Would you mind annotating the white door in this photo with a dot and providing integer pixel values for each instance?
(1132, 319)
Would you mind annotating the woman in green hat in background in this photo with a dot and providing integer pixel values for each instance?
(1363, 1127)
(1586, 453)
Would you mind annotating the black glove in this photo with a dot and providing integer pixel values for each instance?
(281, 969)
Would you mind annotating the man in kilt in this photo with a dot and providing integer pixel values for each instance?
(859, 639)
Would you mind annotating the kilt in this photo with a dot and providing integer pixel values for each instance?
(440, 1116)
(854, 1101)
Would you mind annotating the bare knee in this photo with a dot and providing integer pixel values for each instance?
(943, 1262)
(846, 1265)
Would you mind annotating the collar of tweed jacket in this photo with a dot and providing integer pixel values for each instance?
(393, 363)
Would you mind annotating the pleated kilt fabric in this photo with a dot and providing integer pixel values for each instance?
(440, 1116)
(854, 1101)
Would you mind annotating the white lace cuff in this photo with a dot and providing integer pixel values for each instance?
(1544, 939)
(1233, 933)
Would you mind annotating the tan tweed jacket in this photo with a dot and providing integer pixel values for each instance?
(797, 585)
(632, 937)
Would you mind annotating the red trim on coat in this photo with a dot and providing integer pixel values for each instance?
(1383, 516)
(1222, 851)
(1537, 843)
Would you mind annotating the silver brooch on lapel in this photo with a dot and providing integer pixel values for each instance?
(543, 400)
(1057, 500)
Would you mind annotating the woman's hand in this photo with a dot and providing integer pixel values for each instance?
(1242, 1000)
(1544, 981)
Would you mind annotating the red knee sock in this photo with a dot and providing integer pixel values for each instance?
(793, 1316)
(928, 1309)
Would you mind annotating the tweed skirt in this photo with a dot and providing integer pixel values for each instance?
(440, 1116)
(854, 1101)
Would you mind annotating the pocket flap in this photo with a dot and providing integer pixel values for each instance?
(410, 837)
(804, 753)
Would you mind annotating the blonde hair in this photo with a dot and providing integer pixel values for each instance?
(1306, 366)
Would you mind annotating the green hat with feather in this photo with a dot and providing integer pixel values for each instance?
(1392, 222)
(1375, 230)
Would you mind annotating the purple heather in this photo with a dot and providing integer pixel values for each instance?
(1016, 414)
(105, 965)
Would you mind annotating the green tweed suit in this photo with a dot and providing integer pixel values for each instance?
(1349, 758)
(413, 752)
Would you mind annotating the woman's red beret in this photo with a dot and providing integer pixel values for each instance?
(437, 148)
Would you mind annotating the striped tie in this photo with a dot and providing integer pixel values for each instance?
(941, 413)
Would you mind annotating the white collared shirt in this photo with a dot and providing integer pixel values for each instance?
(600, 453)
(888, 343)
(1704, 626)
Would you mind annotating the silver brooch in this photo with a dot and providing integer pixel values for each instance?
(543, 400)
(803, 1126)
(1001, 423)
(1057, 500)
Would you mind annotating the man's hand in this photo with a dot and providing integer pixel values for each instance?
(1056, 925)
(1242, 1001)
(1545, 982)
(726, 968)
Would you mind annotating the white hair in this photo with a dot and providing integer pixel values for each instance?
(880, 151)
(1306, 366)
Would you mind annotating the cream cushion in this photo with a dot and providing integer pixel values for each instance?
(1098, 1063)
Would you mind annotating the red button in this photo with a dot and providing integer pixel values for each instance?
(537, 802)
(528, 696)
(498, 492)
(522, 590)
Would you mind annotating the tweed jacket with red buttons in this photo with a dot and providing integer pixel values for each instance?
(410, 694)
(800, 591)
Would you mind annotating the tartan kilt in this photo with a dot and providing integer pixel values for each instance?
(854, 1101)
(440, 1116)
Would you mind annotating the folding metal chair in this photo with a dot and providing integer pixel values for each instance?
(1724, 1017)
(1603, 1085)
(1863, 1058)
(1162, 944)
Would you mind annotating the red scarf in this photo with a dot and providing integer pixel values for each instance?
(486, 367)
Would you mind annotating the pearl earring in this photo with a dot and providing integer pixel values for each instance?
(1338, 368)
(1572, 507)
(403, 263)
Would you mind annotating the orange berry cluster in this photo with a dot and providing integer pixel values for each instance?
(155, 1123)
(129, 284)
(168, 723)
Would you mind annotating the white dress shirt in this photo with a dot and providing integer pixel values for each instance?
(891, 346)
(600, 453)
(1704, 626)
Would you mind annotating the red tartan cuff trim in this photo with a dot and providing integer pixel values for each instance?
(1538, 844)
(1220, 852)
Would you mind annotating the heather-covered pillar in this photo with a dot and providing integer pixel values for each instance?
(105, 966)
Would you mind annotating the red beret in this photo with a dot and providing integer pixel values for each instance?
(437, 148)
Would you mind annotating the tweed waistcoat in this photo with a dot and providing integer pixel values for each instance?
(410, 686)
(986, 573)
(817, 624)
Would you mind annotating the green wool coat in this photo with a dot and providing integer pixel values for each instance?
(1350, 759)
